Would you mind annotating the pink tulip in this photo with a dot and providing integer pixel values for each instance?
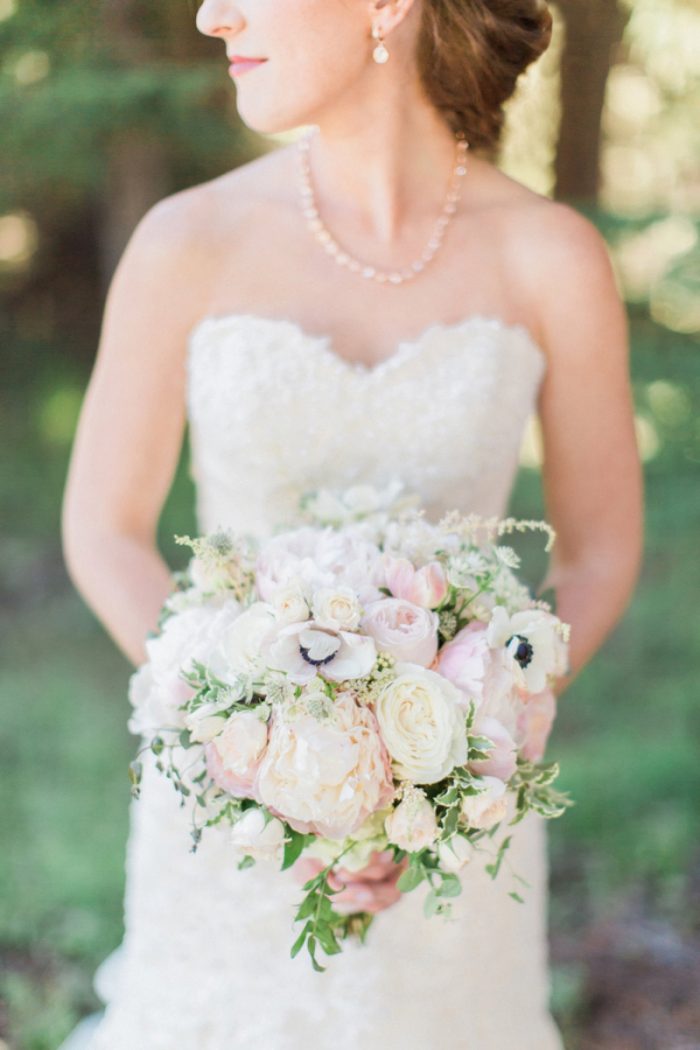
(426, 586)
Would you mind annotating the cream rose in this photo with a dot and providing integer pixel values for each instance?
(326, 775)
(422, 721)
(289, 603)
(406, 631)
(412, 825)
(337, 608)
(487, 808)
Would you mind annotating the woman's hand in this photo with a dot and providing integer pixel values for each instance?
(371, 889)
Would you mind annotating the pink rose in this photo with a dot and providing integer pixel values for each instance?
(426, 586)
(535, 724)
(407, 631)
(233, 757)
(502, 760)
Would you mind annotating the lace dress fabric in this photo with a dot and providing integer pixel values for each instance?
(205, 963)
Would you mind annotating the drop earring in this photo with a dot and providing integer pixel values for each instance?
(380, 53)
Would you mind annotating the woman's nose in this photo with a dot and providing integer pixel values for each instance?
(218, 18)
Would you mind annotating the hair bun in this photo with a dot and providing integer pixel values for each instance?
(470, 55)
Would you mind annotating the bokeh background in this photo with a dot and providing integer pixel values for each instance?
(108, 105)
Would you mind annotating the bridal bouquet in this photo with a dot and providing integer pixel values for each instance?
(362, 681)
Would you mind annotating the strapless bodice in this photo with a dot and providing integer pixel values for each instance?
(274, 410)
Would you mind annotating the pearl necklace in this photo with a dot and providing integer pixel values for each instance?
(324, 237)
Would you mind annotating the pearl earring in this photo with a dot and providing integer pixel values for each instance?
(380, 53)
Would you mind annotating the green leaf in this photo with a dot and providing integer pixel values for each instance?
(299, 942)
(516, 897)
(410, 878)
(431, 904)
(292, 848)
(451, 886)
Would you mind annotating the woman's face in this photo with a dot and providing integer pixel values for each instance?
(318, 57)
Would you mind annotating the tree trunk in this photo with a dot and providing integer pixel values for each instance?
(594, 30)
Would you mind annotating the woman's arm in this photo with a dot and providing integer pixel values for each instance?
(130, 429)
(592, 477)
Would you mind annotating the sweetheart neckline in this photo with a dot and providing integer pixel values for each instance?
(404, 347)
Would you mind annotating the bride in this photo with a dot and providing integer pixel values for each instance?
(374, 299)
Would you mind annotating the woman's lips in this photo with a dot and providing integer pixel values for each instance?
(242, 65)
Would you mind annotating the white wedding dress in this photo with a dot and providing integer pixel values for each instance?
(205, 960)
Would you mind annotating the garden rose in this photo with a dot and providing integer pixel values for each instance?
(337, 608)
(422, 721)
(289, 603)
(487, 808)
(412, 825)
(326, 775)
(406, 631)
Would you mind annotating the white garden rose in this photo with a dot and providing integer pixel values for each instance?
(487, 808)
(253, 837)
(454, 853)
(412, 825)
(337, 608)
(289, 603)
(405, 630)
(325, 775)
(422, 720)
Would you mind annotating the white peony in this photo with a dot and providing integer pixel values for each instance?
(422, 719)
(412, 825)
(253, 837)
(487, 808)
(315, 557)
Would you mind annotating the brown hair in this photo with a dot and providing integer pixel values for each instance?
(470, 54)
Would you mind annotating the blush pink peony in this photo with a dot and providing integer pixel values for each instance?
(326, 775)
(233, 757)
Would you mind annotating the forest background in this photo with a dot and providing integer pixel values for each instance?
(105, 107)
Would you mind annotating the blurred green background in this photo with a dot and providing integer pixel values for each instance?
(106, 107)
